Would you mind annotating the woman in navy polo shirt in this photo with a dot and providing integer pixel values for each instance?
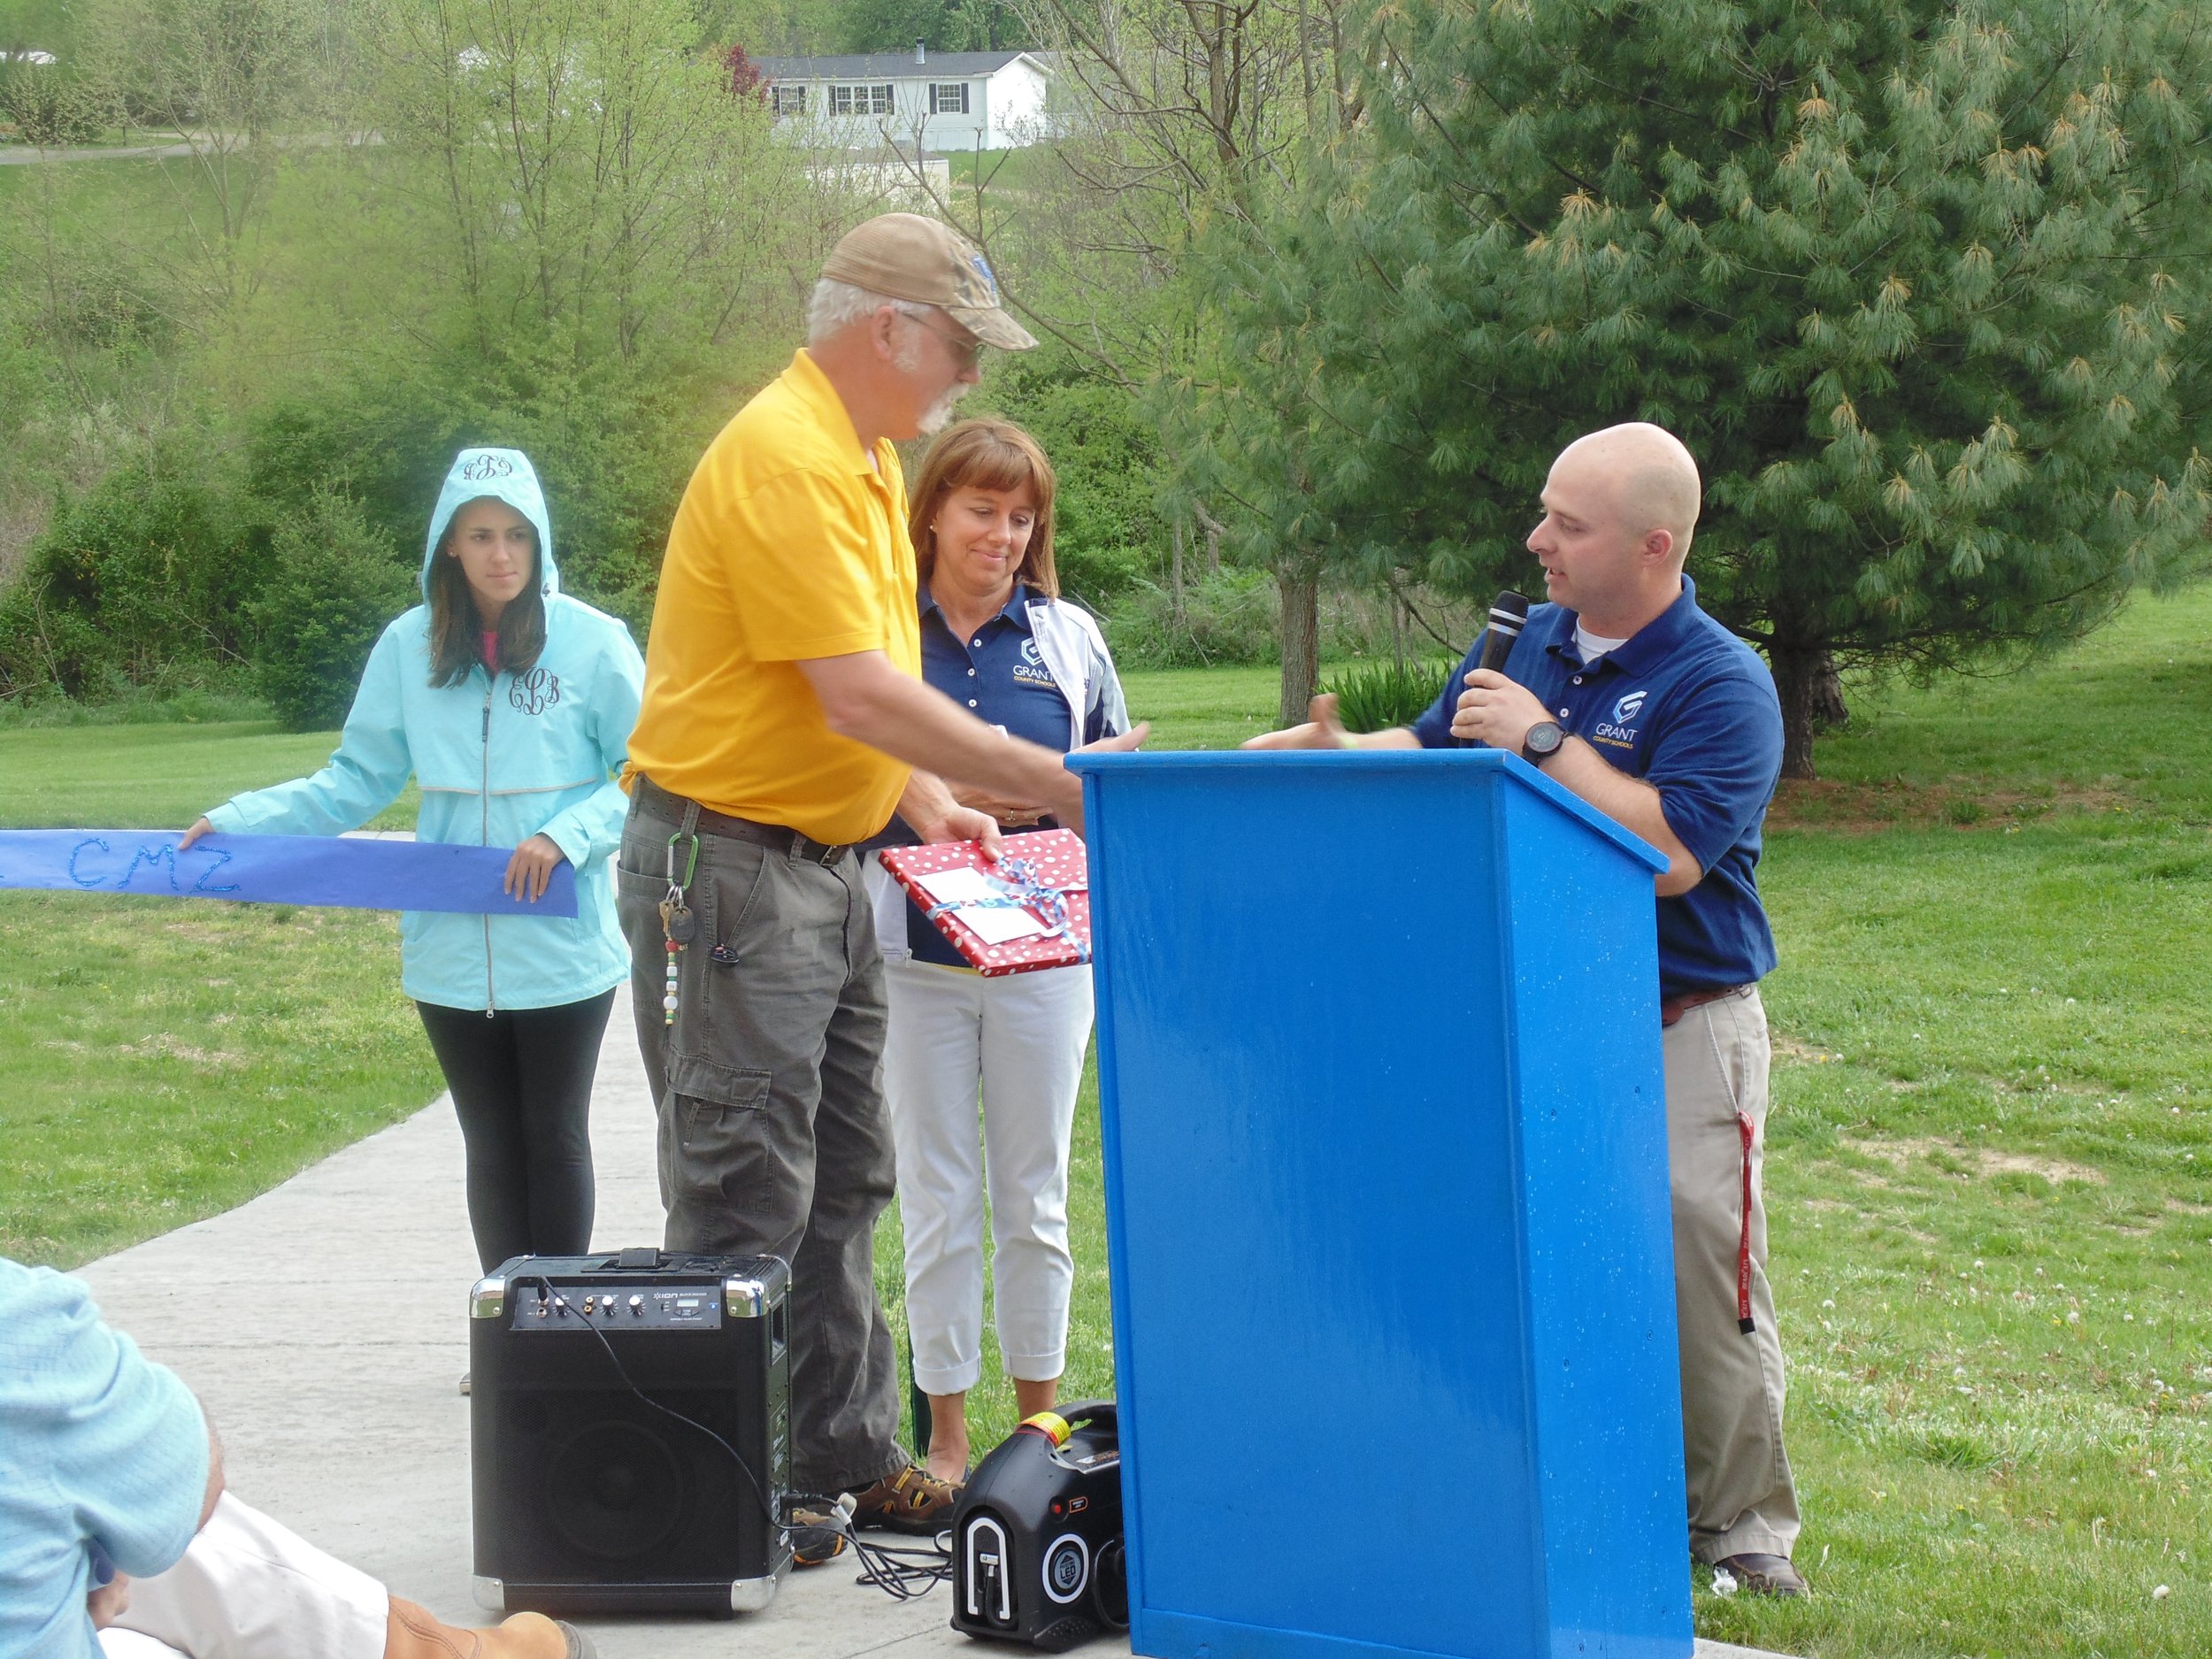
(997, 639)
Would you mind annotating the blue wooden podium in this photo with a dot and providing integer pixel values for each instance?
(1387, 1216)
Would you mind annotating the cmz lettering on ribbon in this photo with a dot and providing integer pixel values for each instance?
(371, 875)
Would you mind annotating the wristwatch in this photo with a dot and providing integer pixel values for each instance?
(1542, 742)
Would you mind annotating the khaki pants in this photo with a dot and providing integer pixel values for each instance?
(1741, 1499)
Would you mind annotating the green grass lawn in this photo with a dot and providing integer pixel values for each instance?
(1989, 1187)
(153, 776)
(169, 1058)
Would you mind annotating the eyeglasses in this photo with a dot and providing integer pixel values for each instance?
(967, 350)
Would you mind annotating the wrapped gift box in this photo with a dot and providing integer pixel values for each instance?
(1041, 876)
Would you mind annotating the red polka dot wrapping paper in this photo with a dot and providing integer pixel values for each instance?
(1057, 857)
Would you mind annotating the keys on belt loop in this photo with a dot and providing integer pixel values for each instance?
(679, 925)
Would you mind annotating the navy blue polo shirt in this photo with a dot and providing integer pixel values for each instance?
(1690, 709)
(999, 676)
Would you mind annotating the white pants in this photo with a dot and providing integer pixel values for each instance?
(248, 1588)
(1019, 1042)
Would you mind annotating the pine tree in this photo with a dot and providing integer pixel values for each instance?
(1923, 286)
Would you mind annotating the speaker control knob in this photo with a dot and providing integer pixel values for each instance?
(637, 1307)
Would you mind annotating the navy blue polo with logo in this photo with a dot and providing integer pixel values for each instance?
(998, 675)
(1690, 709)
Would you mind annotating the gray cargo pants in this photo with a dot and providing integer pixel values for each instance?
(1741, 1496)
(774, 1139)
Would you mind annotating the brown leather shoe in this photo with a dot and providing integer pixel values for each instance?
(1765, 1575)
(912, 1501)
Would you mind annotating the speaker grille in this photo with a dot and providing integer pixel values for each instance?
(616, 1491)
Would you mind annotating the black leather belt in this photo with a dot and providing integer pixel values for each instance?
(675, 808)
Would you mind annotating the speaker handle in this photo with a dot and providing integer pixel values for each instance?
(638, 1258)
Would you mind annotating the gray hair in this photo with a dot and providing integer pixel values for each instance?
(837, 305)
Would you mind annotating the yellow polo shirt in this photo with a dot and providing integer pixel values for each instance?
(787, 546)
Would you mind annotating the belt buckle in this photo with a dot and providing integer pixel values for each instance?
(825, 854)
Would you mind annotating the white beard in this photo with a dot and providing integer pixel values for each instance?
(934, 418)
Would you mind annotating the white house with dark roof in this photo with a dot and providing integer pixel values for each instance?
(944, 101)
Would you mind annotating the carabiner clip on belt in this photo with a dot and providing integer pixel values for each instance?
(678, 925)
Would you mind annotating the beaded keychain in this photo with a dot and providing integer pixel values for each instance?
(678, 926)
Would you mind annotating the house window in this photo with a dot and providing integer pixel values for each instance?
(948, 99)
(861, 100)
(787, 100)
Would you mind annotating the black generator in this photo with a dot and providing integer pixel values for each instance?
(630, 1432)
(1036, 1535)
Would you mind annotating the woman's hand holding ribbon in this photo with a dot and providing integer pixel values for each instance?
(531, 868)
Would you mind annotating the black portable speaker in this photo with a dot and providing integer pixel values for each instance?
(591, 1499)
(1037, 1550)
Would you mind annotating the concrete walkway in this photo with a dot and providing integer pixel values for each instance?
(324, 1325)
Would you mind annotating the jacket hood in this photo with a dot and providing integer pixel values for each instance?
(505, 475)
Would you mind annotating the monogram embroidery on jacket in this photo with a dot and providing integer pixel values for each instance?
(535, 691)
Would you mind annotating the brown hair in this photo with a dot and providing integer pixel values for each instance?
(985, 455)
(456, 629)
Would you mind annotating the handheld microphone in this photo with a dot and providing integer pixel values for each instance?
(1509, 613)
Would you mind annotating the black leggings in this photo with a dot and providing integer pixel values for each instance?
(521, 1083)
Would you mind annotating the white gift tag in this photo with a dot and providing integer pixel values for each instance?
(969, 892)
(1000, 927)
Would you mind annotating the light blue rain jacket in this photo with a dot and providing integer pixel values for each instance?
(500, 759)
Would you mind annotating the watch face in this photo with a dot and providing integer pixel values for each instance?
(1543, 737)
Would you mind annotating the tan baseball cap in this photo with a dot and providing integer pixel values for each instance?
(910, 257)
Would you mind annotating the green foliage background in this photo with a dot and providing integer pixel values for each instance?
(1322, 289)
(337, 584)
(1921, 284)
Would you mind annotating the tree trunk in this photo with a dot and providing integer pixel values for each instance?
(1212, 527)
(1811, 691)
(1301, 589)
(1175, 573)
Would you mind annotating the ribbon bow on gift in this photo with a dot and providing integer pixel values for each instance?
(1021, 885)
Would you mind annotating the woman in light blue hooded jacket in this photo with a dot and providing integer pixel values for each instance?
(511, 704)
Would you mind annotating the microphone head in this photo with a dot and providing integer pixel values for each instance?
(1509, 613)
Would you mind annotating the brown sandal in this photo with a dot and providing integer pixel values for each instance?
(912, 1501)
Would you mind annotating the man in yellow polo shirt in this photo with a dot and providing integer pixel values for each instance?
(785, 720)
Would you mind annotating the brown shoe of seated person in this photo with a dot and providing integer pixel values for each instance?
(1758, 1574)
(410, 1632)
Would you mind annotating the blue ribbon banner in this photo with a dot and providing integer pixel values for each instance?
(362, 875)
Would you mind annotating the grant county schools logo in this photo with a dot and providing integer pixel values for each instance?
(1030, 670)
(535, 691)
(1617, 731)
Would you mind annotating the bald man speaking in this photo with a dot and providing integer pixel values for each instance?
(1624, 692)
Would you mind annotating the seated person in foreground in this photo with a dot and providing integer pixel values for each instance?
(119, 1541)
